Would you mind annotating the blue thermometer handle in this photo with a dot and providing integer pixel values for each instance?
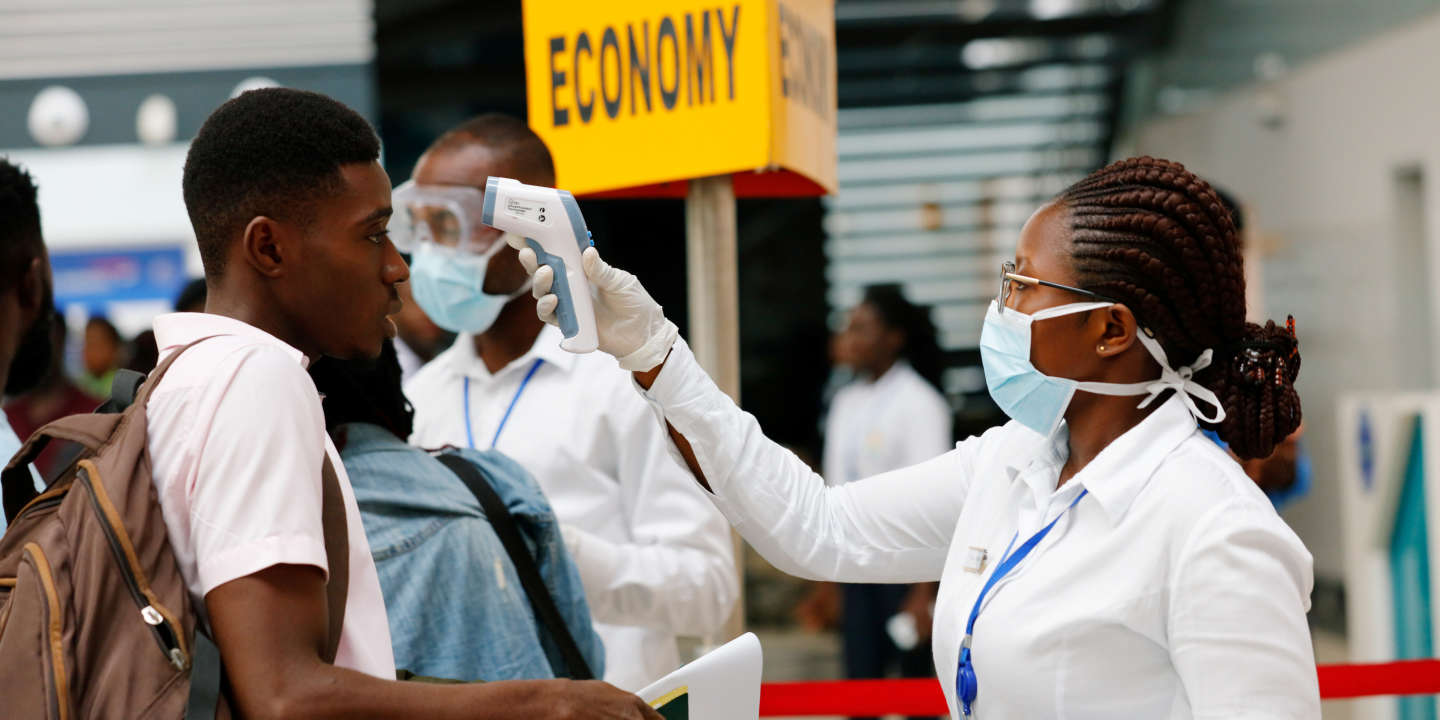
(565, 310)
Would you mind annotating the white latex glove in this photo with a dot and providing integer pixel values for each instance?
(629, 324)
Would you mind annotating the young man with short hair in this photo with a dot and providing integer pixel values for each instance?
(290, 207)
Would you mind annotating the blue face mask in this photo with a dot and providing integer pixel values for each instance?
(448, 287)
(1038, 401)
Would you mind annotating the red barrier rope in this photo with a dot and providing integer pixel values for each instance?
(853, 697)
(924, 697)
(1405, 677)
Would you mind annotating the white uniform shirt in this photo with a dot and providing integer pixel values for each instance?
(894, 421)
(654, 555)
(1172, 590)
(236, 438)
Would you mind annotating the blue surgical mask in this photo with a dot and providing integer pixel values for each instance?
(1038, 401)
(448, 287)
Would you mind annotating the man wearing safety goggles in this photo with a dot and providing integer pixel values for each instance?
(439, 225)
(654, 554)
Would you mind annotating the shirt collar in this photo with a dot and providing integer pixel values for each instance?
(890, 376)
(1117, 475)
(367, 437)
(546, 347)
(174, 330)
(1037, 462)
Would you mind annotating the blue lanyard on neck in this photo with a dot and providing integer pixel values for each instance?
(469, 434)
(966, 686)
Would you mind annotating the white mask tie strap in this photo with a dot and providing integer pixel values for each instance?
(1182, 381)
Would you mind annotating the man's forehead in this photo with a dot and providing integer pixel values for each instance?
(364, 177)
(467, 164)
(366, 191)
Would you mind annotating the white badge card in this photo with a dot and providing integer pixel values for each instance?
(975, 560)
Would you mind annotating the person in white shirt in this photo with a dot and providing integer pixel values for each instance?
(27, 300)
(290, 207)
(891, 416)
(1098, 557)
(655, 557)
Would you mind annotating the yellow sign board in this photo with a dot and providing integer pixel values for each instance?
(634, 96)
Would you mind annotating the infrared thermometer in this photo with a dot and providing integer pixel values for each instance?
(552, 226)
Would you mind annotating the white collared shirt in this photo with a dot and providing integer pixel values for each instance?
(237, 438)
(875, 426)
(654, 555)
(1171, 590)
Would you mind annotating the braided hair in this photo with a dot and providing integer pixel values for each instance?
(365, 391)
(1153, 235)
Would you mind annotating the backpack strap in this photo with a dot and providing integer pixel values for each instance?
(123, 389)
(337, 555)
(206, 678)
(540, 600)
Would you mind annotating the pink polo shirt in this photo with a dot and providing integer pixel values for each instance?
(236, 436)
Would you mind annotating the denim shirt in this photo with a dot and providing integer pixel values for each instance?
(455, 603)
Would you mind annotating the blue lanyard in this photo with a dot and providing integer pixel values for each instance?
(966, 686)
(469, 434)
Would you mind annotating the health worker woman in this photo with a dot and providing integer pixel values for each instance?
(1098, 556)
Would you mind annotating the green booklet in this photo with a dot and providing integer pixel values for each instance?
(675, 705)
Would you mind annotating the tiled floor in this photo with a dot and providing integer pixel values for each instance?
(795, 655)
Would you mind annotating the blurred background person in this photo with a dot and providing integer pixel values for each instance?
(55, 397)
(27, 304)
(655, 556)
(893, 412)
(456, 605)
(891, 416)
(101, 354)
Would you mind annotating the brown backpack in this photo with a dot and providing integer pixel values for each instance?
(90, 588)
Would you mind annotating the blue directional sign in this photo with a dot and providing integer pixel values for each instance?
(96, 278)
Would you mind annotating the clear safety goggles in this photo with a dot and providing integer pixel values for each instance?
(446, 216)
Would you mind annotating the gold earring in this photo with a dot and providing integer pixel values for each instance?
(1102, 348)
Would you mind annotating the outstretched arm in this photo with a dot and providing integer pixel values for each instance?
(892, 528)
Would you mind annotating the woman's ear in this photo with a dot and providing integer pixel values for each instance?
(1118, 330)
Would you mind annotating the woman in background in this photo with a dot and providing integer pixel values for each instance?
(891, 416)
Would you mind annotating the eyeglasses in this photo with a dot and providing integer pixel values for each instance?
(1008, 276)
